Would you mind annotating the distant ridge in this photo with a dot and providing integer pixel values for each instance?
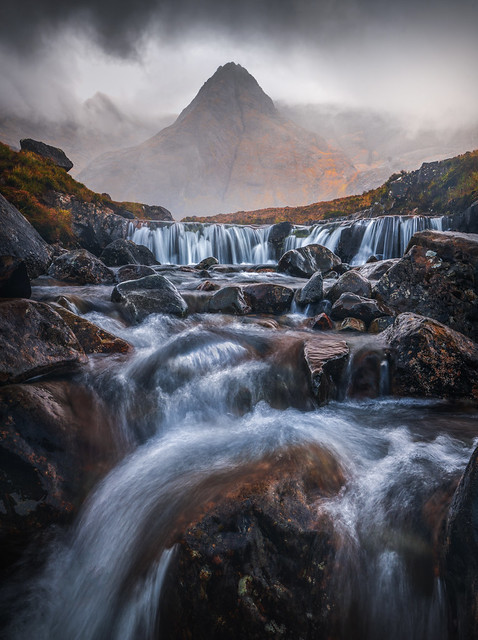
(230, 148)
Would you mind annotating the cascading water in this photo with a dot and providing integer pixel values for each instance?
(355, 241)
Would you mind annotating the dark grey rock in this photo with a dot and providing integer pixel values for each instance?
(305, 261)
(19, 239)
(81, 267)
(57, 156)
(133, 272)
(121, 252)
(350, 282)
(313, 291)
(14, 280)
(350, 305)
(206, 263)
(152, 294)
(229, 300)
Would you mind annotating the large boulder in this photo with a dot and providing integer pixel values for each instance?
(14, 280)
(56, 155)
(350, 305)
(466, 221)
(152, 294)
(259, 562)
(133, 272)
(313, 291)
(325, 358)
(305, 261)
(34, 340)
(19, 239)
(437, 277)
(277, 234)
(229, 300)
(431, 360)
(350, 282)
(92, 339)
(121, 252)
(266, 297)
(55, 443)
(460, 556)
(156, 212)
(81, 267)
(374, 270)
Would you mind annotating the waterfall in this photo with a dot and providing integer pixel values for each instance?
(354, 241)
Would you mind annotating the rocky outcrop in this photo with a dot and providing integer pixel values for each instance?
(91, 338)
(350, 305)
(152, 294)
(350, 282)
(55, 442)
(229, 300)
(266, 297)
(437, 277)
(19, 239)
(305, 261)
(460, 556)
(258, 563)
(95, 225)
(156, 212)
(325, 358)
(431, 360)
(34, 340)
(121, 252)
(14, 280)
(57, 156)
(466, 221)
(81, 267)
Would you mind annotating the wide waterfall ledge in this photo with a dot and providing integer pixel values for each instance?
(354, 241)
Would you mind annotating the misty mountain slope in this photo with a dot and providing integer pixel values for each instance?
(229, 149)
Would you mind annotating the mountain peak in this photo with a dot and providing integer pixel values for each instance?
(231, 88)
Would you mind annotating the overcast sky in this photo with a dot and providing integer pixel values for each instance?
(417, 59)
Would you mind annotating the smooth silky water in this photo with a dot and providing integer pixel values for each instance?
(202, 399)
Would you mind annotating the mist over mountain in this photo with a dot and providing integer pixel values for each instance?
(229, 149)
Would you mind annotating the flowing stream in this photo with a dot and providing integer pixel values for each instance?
(204, 398)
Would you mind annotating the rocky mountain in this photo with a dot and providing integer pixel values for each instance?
(229, 149)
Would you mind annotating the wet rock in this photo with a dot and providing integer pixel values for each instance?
(229, 300)
(380, 324)
(350, 305)
(325, 358)
(14, 280)
(353, 324)
(305, 261)
(19, 239)
(268, 298)
(277, 234)
(375, 270)
(313, 291)
(91, 338)
(207, 263)
(208, 286)
(460, 556)
(259, 561)
(81, 267)
(322, 322)
(133, 272)
(437, 277)
(122, 252)
(55, 443)
(56, 155)
(34, 340)
(372, 258)
(350, 282)
(431, 360)
(152, 294)
(369, 373)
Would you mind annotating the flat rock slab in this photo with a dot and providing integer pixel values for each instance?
(34, 340)
(325, 358)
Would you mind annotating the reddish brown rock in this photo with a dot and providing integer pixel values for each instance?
(431, 360)
(437, 277)
(208, 286)
(34, 340)
(259, 561)
(92, 338)
(268, 298)
(322, 322)
(353, 324)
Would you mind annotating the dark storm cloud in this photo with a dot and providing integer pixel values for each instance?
(120, 25)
